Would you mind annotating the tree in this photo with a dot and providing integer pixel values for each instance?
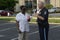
(49, 6)
(7, 4)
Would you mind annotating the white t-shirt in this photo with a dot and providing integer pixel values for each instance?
(23, 23)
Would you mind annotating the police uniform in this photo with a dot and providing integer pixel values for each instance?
(43, 24)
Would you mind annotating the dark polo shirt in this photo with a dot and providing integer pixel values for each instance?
(44, 13)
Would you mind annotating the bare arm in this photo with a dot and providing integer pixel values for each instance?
(17, 23)
(40, 17)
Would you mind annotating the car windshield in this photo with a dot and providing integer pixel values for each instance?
(53, 8)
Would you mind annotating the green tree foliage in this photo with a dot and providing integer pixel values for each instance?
(49, 6)
(7, 4)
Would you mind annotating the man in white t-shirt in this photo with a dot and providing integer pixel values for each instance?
(22, 21)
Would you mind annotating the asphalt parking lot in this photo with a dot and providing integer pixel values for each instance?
(8, 31)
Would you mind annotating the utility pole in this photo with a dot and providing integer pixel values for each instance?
(37, 4)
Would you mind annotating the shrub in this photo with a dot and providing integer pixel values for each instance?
(49, 6)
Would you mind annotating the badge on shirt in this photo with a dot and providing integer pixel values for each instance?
(38, 11)
(45, 12)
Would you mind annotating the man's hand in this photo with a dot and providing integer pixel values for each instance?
(28, 18)
(17, 23)
(35, 15)
(40, 17)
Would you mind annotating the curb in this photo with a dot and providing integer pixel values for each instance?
(49, 23)
(48, 18)
(35, 22)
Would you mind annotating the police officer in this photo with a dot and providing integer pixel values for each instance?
(42, 20)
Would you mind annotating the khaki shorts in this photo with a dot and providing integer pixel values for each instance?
(23, 36)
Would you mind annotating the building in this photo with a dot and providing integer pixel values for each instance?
(21, 2)
(55, 3)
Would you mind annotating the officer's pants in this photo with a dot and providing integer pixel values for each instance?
(43, 31)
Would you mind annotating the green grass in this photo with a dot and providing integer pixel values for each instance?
(54, 17)
(7, 19)
(32, 20)
(54, 20)
(33, 17)
(50, 20)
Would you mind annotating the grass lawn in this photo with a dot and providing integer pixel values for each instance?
(50, 20)
(32, 20)
(54, 20)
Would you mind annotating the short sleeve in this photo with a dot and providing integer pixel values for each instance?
(17, 17)
(45, 15)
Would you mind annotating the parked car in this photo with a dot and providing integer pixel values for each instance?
(54, 9)
(1, 11)
(6, 13)
(58, 9)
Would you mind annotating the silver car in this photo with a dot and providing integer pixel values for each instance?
(54, 9)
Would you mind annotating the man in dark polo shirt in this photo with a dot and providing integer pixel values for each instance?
(42, 20)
